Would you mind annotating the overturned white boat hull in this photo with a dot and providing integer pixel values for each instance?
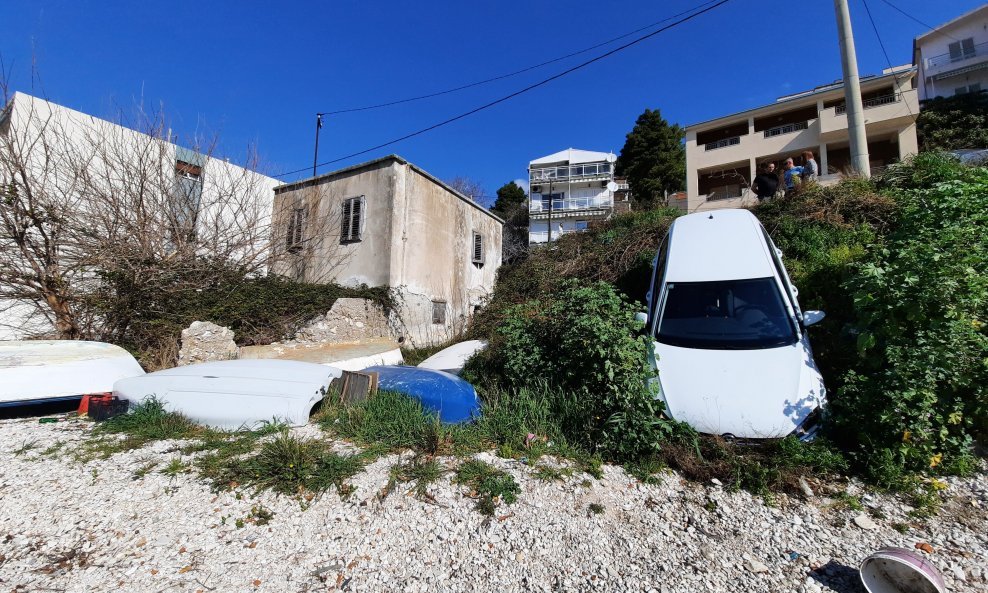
(451, 360)
(34, 371)
(235, 394)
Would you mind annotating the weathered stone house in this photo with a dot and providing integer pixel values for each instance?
(387, 222)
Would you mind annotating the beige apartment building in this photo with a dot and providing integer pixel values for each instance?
(722, 155)
(387, 222)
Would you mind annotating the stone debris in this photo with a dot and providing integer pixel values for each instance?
(864, 522)
(113, 525)
(348, 320)
(204, 341)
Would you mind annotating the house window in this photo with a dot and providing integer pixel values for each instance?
(439, 312)
(188, 197)
(353, 220)
(961, 50)
(296, 230)
(581, 225)
(963, 90)
(478, 248)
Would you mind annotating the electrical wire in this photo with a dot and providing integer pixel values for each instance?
(882, 45)
(917, 20)
(518, 92)
(516, 72)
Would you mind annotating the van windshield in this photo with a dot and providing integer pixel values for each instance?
(725, 315)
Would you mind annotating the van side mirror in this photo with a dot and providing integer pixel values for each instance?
(642, 316)
(812, 317)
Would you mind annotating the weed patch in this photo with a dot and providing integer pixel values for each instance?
(421, 471)
(286, 465)
(488, 484)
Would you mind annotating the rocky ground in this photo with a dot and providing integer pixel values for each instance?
(102, 525)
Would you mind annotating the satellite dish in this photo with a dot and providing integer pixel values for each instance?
(611, 157)
(612, 187)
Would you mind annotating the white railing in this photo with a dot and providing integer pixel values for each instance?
(597, 202)
(965, 53)
(568, 172)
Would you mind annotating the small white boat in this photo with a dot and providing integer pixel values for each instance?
(235, 394)
(39, 371)
(451, 360)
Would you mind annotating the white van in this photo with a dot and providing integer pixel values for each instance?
(730, 343)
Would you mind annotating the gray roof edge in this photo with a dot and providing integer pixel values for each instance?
(391, 157)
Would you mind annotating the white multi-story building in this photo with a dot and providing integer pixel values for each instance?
(723, 154)
(569, 190)
(952, 59)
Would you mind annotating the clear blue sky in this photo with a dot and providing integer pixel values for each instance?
(257, 72)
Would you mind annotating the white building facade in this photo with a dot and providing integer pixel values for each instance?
(952, 59)
(81, 165)
(723, 154)
(569, 190)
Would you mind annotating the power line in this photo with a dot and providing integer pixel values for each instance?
(518, 92)
(516, 72)
(930, 28)
(882, 45)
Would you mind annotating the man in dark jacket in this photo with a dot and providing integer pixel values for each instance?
(766, 183)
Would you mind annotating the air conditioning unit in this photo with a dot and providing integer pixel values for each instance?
(537, 189)
(603, 183)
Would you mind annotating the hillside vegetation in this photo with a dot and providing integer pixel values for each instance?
(900, 265)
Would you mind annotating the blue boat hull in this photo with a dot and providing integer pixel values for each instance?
(449, 396)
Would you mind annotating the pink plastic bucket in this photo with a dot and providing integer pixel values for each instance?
(896, 570)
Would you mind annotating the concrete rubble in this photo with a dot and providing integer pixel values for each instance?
(204, 341)
(97, 525)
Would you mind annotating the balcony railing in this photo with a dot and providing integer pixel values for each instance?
(569, 204)
(869, 103)
(980, 49)
(569, 172)
(723, 143)
(786, 129)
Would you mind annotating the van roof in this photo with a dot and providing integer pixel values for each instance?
(717, 245)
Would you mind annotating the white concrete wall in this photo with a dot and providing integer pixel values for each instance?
(84, 163)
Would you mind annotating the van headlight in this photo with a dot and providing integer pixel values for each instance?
(808, 428)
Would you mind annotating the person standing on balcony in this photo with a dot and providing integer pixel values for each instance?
(810, 168)
(791, 176)
(766, 183)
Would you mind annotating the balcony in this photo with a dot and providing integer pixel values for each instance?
(722, 143)
(566, 205)
(570, 172)
(884, 113)
(949, 59)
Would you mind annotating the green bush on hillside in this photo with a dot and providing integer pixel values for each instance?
(917, 394)
(585, 341)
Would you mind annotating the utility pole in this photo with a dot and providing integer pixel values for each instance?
(315, 158)
(852, 92)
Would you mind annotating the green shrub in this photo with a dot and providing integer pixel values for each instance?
(584, 343)
(917, 394)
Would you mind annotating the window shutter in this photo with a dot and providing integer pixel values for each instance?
(478, 248)
(967, 47)
(345, 232)
(955, 50)
(358, 216)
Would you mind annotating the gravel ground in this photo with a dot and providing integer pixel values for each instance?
(67, 526)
